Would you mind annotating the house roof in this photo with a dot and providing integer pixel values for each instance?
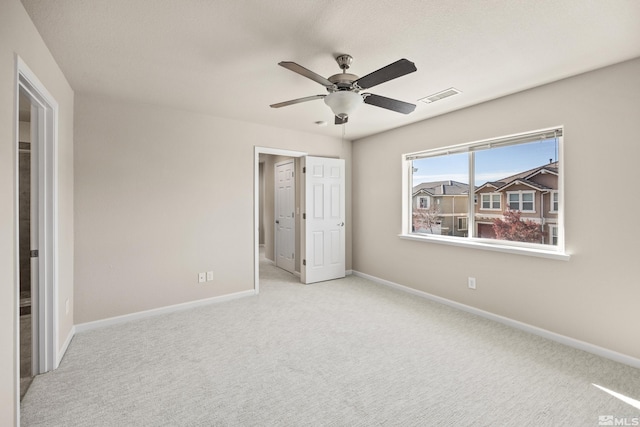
(551, 167)
(526, 182)
(494, 184)
(455, 188)
(441, 188)
(525, 178)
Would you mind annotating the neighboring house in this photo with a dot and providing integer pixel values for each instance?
(449, 199)
(534, 193)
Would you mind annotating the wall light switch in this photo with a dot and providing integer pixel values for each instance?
(202, 277)
(472, 282)
(209, 276)
(66, 306)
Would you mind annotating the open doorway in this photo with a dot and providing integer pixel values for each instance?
(319, 214)
(36, 228)
(25, 195)
(264, 203)
(279, 206)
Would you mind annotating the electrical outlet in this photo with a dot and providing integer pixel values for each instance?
(66, 306)
(472, 282)
(202, 277)
(209, 276)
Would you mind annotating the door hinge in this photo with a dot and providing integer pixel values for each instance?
(304, 216)
(304, 169)
(293, 214)
(304, 262)
(33, 253)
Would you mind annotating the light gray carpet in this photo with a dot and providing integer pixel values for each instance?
(342, 353)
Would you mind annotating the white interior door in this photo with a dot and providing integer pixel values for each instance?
(285, 202)
(324, 257)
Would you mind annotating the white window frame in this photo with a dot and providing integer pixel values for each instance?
(553, 227)
(522, 248)
(466, 223)
(554, 203)
(491, 196)
(419, 202)
(521, 201)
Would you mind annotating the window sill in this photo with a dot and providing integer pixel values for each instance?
(476, 244)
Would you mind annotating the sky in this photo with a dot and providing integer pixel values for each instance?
(490, 165)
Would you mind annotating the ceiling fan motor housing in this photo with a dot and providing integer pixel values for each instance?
(342, 81)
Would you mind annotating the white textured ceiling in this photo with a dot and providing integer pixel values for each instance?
(220, 57)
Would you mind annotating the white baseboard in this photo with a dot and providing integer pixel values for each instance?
(82, 327)
(562, 339)
(65, 346)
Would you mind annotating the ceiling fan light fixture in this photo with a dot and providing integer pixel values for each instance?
(343, 103)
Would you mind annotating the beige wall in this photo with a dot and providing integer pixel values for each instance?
(163, 194)
(18, 36)
(594, 296)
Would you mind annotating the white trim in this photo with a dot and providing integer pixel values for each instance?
(65, 345)
(45, 146)
(544, 333)
(256, 204)
(16, 249)
(521, 201)
(83, 327)
(513, 139)
(551, 228)
(419, 202)
(490, 208)
(551, 202)
(543, 171)
(473, 243)
(466, 220)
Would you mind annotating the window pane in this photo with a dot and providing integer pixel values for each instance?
(521, 173)
(485, 202)
(496, 201)
(445, 178)
(514, 202)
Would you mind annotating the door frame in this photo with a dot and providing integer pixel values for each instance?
(45, 147)
(257, 150)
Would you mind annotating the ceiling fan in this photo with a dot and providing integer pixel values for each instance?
(344, 95)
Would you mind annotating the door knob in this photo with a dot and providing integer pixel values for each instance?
(341, 224)
(277, 222)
